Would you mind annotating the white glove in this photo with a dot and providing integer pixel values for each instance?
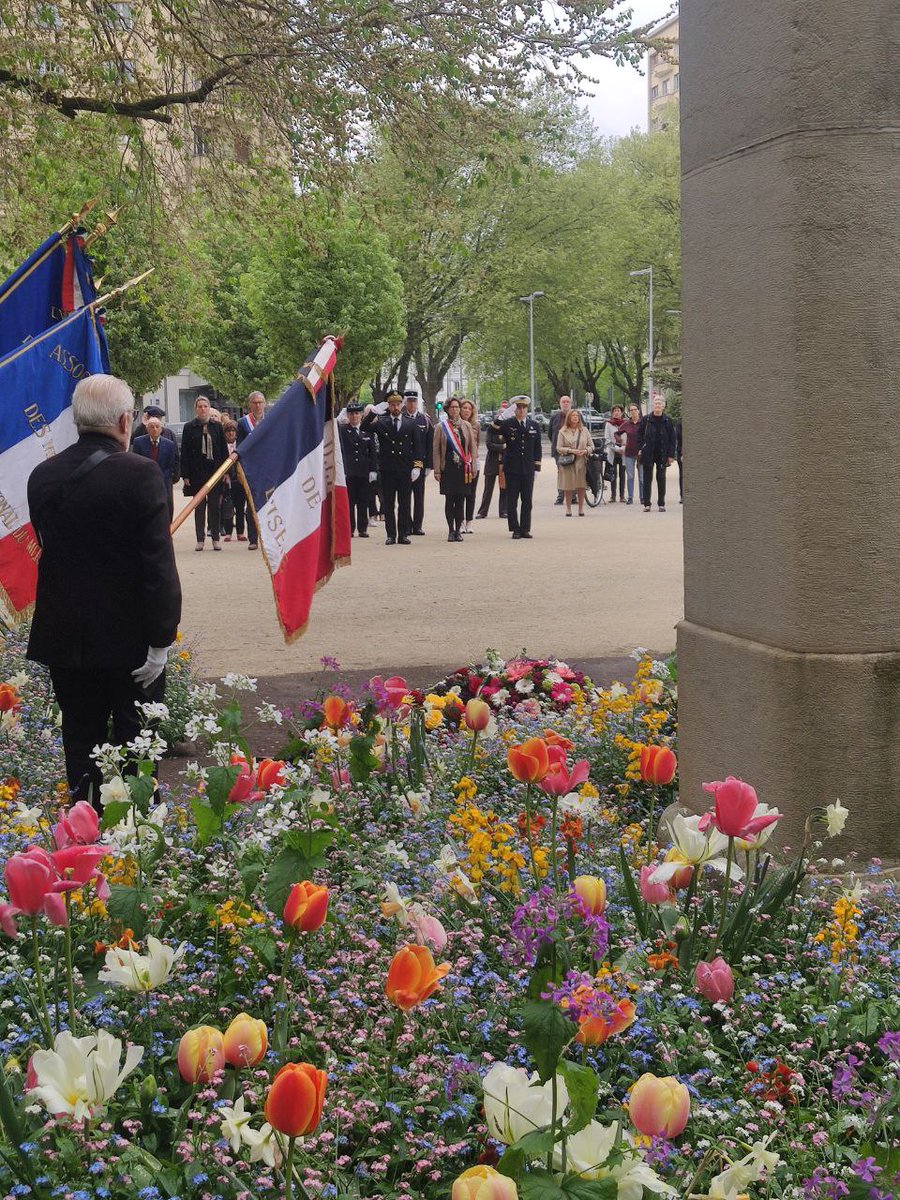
(373, 475)
(381, 407)
(416, 472)
(153, 667)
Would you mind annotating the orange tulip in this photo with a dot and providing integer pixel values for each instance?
(552, 738)
(591, 892)
(246, 1041)
(269, 773)
(659, 1107)
(478, 715)
(9, 698)
(294, 1103)
(335, 712)
(529, 763)
(201, 1054)
(413, 977)
(658, 765)
(306, 907)
(594, 1031)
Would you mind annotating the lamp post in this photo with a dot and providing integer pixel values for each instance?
(634, 275)
(529, 300)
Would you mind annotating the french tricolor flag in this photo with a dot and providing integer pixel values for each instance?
(293, 472)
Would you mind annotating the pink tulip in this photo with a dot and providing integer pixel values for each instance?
(79, 826)
(76, 865)
(659, 1107)
(560, 781)
(245, 790)
(735, 804)
(654, 893)
(395, 689)
(8, 919)
(340, 780)
(714, 980)
(428, 930)
(28, 880)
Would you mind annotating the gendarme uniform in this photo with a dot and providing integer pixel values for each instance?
(360, 462)
(400, 449)
(521, 458)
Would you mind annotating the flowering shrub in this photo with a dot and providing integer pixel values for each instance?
(429, 951)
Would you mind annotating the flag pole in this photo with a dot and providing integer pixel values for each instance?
(204, 492)
(102, 227)
(116, 292)
(76, 218)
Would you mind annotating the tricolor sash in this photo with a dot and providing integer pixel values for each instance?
(452, 437)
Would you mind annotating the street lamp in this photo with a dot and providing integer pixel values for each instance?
(529, 300)
(634, 275)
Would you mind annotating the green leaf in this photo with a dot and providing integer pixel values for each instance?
(540, 1185)
(209, 823)
(362, 760)
(114, 813)
(582, 1085)
(141, 788)
(546, 1032)
(309, 842)
(289, 867)
(219, 782)
(127, 905)
(590, 1189)
(536, 1144)
(634, 900)
(512, 1162)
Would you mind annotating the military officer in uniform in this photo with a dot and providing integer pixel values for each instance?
(360, 467)
(422, 419)
(521, 459)
(401, 460)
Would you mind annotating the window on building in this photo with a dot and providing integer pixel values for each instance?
(665, 87)
(654, 92)
(675, 83)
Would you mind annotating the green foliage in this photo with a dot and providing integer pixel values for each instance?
(546, 1033)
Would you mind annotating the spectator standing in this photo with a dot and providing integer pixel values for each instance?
(469, 414)
(203, 450)
(256, 402)
(656, 441)
(231, 486)
(454, 451)
(108, 598)
(521, 459)
(422, 419)
(153, 410)
(574, 445)
(493, 470)
(401, 460)
(615, 451)
(360, 467)
(628, 434)
(557, 420)
(162, 451)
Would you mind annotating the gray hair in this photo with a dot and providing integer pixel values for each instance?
(99, 400)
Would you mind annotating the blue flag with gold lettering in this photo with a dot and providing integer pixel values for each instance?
(37, 380)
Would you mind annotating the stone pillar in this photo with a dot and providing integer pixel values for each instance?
(789, 653)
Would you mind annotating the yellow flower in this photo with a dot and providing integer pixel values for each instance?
(433, 718)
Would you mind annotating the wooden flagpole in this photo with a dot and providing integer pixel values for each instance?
(204, 491)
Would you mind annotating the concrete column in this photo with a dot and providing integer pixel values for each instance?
(789, 654)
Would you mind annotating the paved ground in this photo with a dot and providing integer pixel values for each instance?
(584, 589)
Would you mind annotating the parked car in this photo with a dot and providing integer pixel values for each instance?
(177, 428)
(594, 421)
(486, 417)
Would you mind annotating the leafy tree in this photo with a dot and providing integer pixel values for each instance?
(327, 272)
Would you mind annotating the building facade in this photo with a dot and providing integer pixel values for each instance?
(663, 77)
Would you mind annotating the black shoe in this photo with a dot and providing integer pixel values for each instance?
(457, 537)
(558, 500)
(480, 516)
(390, 541)
(451, 536)
(418, 533)
(365, 535)
(629, 502)
(404, 542)
(516, 536)
(527, 535)
(662, 508)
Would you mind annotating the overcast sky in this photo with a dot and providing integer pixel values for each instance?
(620, 101)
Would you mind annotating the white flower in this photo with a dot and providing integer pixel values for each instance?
(586, 807)
(141, 972)
(269, 714)
(321, 801)
(500, 697)
(462, 885)
(79, 1075)
(758, 839)
(115, 791)
(201, 694)
(233, 1121)
(516, 1104)
(617, 691)
(524, 687)
(552, 677)
(638, 653)
(263, 1144)
(694, 846)
(19, 680)
(392, 850)
(446, 861)
(416, 803)
(9, 724)
(587, 1153)
(153, 710)
(836, 818)
(737, 1178)
(27, 816)
(108, 758)
(239, 683)
(395, 906)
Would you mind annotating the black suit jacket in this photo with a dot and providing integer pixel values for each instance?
(107, 584)
(166, 458)
(397, 451)
(522, 453)
(140, 430)
(194, 466)
(358, 450)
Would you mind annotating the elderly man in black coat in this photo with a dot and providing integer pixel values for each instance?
(108, 597)
(656, 449)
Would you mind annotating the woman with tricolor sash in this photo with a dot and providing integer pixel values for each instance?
(454, 465)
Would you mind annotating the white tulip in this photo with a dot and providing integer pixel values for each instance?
(758, 839)
(114, 791)
(587, 1153)
(141, 972)
(516, 1104)
(836, 818)
(263, 1144)
(79, 1075)
(697, 846)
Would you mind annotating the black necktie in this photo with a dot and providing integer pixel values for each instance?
(397, 424)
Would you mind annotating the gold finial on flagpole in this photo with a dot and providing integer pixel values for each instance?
(102, 227)
(122, 288)
(77, 217)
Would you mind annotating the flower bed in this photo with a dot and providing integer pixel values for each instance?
(440, 945)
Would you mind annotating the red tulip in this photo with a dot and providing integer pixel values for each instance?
(201, 1054)
(28, 880)
(9, 698)
(335, 712)
(306, 907)
(8, 919)
(396, 689)
(413, 977)
(530, 762)
(559, 781)
(734, 808)
(658, 765)
(244, 789)
(270, 773)
(294, 1103)
(79, 826)
(714, 980)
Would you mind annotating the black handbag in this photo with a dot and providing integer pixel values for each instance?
(566, 460)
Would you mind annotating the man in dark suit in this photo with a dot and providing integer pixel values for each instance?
(422, 419)
(656, 450)
(256, 402)
(401, 459)
(158, 449)
(153, 410)
(521, 459)
(203, 450)
(493, 470)
(557, 419)
(108, 597)
(360, 467)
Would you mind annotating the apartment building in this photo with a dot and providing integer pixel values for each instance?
(663, 80)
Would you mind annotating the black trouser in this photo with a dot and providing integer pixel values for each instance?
(487, 493)
(358, 496)
(418, 501)
(242, 511)
(170, 496)
(214, 503)
(519, 491)
(559, 494)
(680, 478)
(396, 491)
(89, 699)
(453, 511)
(618, 472)
(647, 482)
(470, 500)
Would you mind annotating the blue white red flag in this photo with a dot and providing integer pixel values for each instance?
(53, 282)
(36, 385)
(293, 472)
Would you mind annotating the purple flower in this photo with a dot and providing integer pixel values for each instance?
(866, 1169)
(844, 1077)
(889, 1045)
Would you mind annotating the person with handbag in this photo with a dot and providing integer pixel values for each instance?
(574, 445)
(615, 450)
(203, 450)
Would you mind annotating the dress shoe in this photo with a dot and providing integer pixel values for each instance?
(390, 541)
(662, 508)
(418, 533)
(253, 546)
(516, 536)
(227, 537)
(451, 536)
(558, 500)
(457, 537)
(217, 545)
(365, 535)
(242, 537)
(200, 545)
(480, 516)
(527, 535)
(404, 542)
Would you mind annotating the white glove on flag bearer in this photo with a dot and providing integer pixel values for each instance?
(153, 667)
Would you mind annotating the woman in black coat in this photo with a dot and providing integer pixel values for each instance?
(203, 449)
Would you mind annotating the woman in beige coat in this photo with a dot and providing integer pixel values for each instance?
(574, 446)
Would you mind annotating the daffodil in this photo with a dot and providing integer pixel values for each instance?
(234, 1120)
(141, 972)
(79, 1075)
(836, 818)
